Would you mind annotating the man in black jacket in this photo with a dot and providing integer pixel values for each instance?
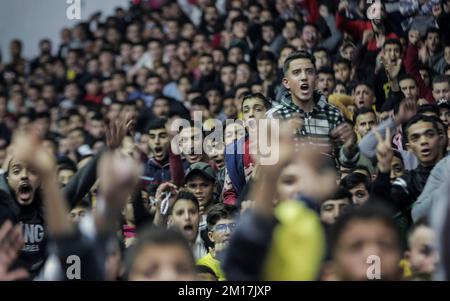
(20, 199)
(424, 140)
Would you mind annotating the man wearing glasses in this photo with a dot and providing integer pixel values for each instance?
(221, 224)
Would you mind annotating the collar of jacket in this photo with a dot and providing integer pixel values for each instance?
(155, 163)
(320, 102)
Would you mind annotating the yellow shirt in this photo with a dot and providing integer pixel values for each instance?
(213, 264)
(298, 244)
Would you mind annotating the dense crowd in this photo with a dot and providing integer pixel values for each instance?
(136, 144)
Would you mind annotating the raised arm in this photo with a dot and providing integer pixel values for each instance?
(80, 184)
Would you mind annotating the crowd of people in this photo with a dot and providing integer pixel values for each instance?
(355, 93)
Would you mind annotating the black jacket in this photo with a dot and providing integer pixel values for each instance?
(31, 217)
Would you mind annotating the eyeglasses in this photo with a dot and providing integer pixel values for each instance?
(222, 228)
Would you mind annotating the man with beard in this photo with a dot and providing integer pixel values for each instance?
(21, 200)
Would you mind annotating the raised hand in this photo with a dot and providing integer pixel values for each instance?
(343, 6)
(164, 188)
(119, 177)
(367, 36)
(414, 37)
(117, 130)
(247, 205)
(392, 68)
(345, 134)
(384, 151)
(406, 110)
(29, 150)
(11, 242)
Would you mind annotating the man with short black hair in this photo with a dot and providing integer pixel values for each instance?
(321, 120)
(221, 224)
(423, 139)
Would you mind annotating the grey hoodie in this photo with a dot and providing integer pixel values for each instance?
(431, 194)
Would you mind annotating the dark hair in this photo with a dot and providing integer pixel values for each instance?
(158, 236)
(161, 97)
(200, 101)
(290, 20)
(78, 129)
(431, 30)
(205, 54)
(362, 111)
(310, 24)
(154, 75)
(354, 179)
(393, 42)
(428, 108)
(65, 163)
(364, 83)
(228, 64)
(295, 56)
(416, 119)
(213, 87)
(220, 211)
(203, 269)
(341, 60)
(268, 24)
(341, 193)
(325, 70)
(440, 79)
(398, 155)
(446, 67)
(267, 103)
(366, 212)
(240, 18)
(266, 56)
(42, 115)
(156, 124)
(406, 76)
(186, 195)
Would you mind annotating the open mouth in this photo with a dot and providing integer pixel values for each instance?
(361, 103)
(158, 150)
(425, 152)
(219, 161)
(193, 158)
(25, 192)
(304, 88)
(188, 230)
